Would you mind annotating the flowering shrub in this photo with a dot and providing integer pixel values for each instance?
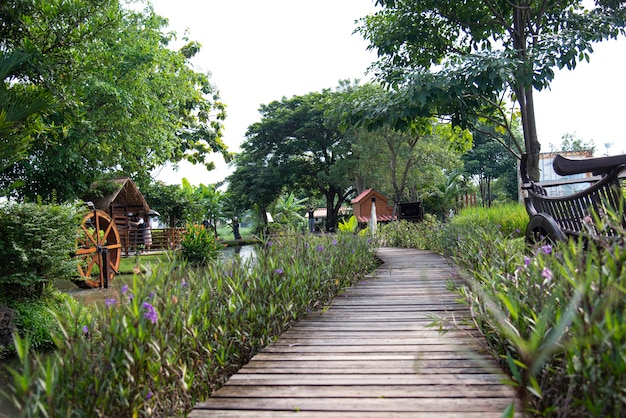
(177, 333)
(199, 245)
(554, 316)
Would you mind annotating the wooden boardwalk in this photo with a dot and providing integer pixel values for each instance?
(372, 354)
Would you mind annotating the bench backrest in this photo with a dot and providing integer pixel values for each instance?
(575, 213)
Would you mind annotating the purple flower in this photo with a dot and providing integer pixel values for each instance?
(149, 312)
(150, 295)
(320, 248)
(184, 284)
(547, 274)
(109, 302)
(270, 243)
(149, 395)
(526, 260)
(334, 242)
(278, 271)
(85, 329)
(124, 289)
(545, 249)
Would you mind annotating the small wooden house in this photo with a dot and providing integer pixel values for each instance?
(362, 206)
(123, 202)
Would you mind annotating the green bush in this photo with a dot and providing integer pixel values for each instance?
(37, 318)
(199, 246)
(553, 316)
(177, 333)
(37, 243)
(425, 235)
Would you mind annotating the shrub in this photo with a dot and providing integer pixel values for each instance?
(36, 242)
(37, 318)
(177, 333)
(554, 316)
(199, 246)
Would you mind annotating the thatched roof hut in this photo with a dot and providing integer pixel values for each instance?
(124, 199)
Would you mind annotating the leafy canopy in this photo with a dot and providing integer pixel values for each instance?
(295, 145)
(126, 101)
(467, 60)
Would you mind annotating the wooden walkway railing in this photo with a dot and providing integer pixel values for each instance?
(373, 354)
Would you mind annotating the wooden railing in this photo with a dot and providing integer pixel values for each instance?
(162, 239)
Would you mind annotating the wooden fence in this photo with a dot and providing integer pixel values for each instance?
(133, 240)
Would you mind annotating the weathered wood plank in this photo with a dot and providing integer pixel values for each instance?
(341, 414)
(373, 352)
(379, 404)
(356, 391)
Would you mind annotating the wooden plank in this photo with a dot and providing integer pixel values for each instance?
(379, 404)
(374, 353)
(234, 413)
(356, 391)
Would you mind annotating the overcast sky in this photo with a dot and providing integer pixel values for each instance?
(261, 51)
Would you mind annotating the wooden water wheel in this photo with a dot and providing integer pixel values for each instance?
(99, 250)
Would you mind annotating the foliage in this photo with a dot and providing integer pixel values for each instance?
(552, 315)
(510, 219)
(199, 245)
(441, 197)
(126, 101)
(571, 142)
(176, 334)
(169, 200)
(398, 160)
(287, 211)
(404, 234)
(468, 60)
(37, 242)
(295, 145)
(19, 106)
(349, 226)
(487, 161)
(37, 319)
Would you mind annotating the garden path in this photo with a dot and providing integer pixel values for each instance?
(373, 353)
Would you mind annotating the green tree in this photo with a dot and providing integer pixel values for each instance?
(169, 200)
(466, 59)
(571, 142)
(287, 210)
(126, 101)
(295, 145)
(487, 161)
(20, 102)
(211, 201)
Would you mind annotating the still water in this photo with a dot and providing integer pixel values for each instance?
(89, 296)
(98, 296)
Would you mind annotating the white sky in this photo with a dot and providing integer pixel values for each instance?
(260, 51)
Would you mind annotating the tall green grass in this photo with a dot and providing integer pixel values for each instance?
(177, 333)
(554, 316)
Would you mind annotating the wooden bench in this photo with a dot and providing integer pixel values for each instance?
(558, 218)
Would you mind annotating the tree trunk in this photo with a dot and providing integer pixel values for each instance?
(525, 93)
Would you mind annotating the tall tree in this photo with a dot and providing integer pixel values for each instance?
(389, 155)
(295, 145)
(466, 59)
(126, 101)
(487, 161)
